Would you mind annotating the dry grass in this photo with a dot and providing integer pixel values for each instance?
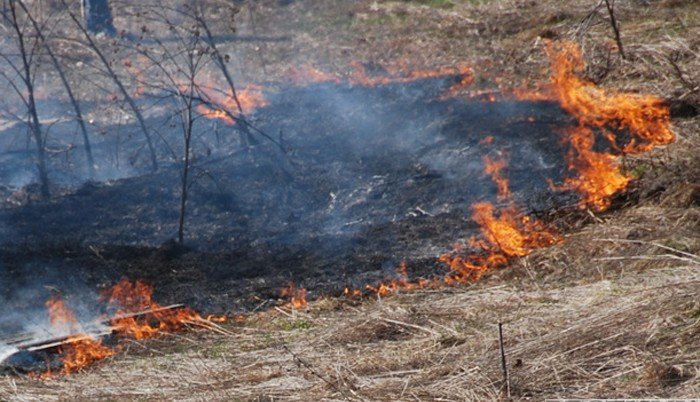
(612, 312)
(634, 335)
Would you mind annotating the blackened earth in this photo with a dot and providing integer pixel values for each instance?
(356, 180)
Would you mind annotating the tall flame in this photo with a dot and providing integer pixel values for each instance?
(644, 118)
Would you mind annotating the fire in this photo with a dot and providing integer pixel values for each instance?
(82, 351)
(505, 234)
(223, 104)
(309, 74)
(61, 317)
(402, 72)
(296, 296)
(393, 73)
(494, 168)
(136, 315)
(402, 283)
(127, 298)
(644, 118)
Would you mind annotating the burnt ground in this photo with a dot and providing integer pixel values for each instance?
(358, 179)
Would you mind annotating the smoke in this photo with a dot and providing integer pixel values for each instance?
(23, 307)
(6, 351)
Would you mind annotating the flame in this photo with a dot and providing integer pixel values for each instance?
(505, 234)
(61, 317)
(402, 72)
(392, 286)
(645, 118)
(352, 293)
(494, 168)
(127, 298)
(81, 352)
(392, 73)
(296, 296)
(308, 74)
(136, 315)
(223, 104)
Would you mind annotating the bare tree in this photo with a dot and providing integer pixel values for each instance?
(24, 70)
(64, 80)
(92, 45)
(179, 70)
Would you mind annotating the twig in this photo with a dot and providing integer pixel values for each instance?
(610, 5)
(405, 324)
(692, 256)
(504, 367)
(308, 366)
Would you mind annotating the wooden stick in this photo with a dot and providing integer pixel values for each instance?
(504, 367)
(26, 342)
(611, 11)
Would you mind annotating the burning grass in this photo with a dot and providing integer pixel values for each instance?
(629, 336)
(132, 315)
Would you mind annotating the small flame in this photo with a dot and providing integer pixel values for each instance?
(61, 317)
(81, 352)
(494, 168)
(223, 104)
(127, 298)
(393, 73)
(307, 74)
(505, 234)
(296, 296)
(137, 316)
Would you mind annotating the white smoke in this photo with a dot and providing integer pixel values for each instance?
(6, 351)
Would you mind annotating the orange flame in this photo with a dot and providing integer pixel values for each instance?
(397, 72)
(505, 234)
(296, 296)
(61, 317)
(223, 104)
(644, 117)
(402, 72)
(494, 168)
(79, 350)
(402, 283)
(82, 351)
(128, 298)
(307, 74)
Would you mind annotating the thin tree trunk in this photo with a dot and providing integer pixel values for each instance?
(69, 91)
(129, 100)
(185, 173)
(246, 135)
(34, 123)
